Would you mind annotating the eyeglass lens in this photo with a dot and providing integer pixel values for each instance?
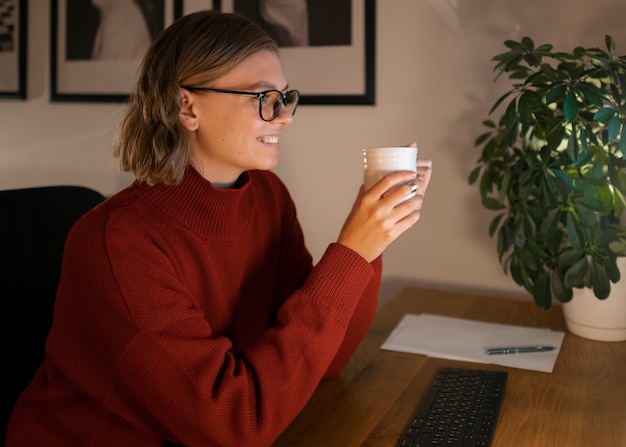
(272, 103)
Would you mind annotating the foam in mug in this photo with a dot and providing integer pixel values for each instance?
(380, 161)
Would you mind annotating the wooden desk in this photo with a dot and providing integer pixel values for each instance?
(581, 403)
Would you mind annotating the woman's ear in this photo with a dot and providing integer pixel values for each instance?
(186, 115)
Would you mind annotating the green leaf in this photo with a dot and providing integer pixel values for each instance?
(509, 119)
(622, 82)
(544, 48)
(610, 43)
(612, 270)
(575, 275)
(505, 238)
(565, 179)
(490, 150)
(570, 107)
(485, 184)
(504, 186)
(493, 226)
(519, 234)
(556, 93)
(482, 138)
(615, 178)
(572, 147)
(474, 175)
(530, 226)
(601, 283)
(570, 256)
(604, 114)
(574, 231)
(597, 198)
(516, 270)
(554, 243)
(541, 291)
(595, 175)
(618, 247)
(617, 96)
(585, 156)
(614, 127)
(491, 204)
(622, 142)
(528, 43)
(511, 44)
(531, 59)
(592, 94)
(563, 293)
(513, 131)
(526, 184)
(526, 257)
(550, 223)
(556, 137)
(501, 99)
(524, 107)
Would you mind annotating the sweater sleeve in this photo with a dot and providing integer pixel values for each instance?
(359, 323)
(298, 265)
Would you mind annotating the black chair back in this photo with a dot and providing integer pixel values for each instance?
(34, 223)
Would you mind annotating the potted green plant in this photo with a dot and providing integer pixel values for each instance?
(552, 167)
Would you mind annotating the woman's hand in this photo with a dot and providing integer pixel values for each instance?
(377, 219)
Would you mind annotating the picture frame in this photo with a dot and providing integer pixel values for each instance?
(84, 68)
(329, 74)
(13, 48)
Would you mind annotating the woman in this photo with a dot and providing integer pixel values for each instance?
(189, 311)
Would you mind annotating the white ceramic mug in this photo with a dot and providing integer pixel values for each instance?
(380, 161)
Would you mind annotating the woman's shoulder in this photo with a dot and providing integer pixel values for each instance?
(97, 218)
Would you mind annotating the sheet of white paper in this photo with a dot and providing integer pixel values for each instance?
(467, 340)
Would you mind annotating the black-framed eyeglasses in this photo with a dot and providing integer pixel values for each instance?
(270, 101)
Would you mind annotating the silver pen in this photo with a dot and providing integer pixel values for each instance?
(519, 349)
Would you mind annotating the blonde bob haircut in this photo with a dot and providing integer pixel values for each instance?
(196, 49)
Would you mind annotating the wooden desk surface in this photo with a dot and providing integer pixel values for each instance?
(581, 403)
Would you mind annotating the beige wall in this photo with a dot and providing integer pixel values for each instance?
(434, 85)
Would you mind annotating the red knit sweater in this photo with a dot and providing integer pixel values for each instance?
(192, 315)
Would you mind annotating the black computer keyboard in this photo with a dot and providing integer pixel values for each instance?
(460, 408)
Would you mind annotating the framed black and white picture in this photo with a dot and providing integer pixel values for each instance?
(13, 48)
(97, 45)
(327, 46)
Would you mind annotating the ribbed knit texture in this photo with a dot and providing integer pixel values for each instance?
(192, 315)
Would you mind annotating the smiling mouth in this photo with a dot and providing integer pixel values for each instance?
(268, 140)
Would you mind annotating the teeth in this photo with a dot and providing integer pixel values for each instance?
(268, 140)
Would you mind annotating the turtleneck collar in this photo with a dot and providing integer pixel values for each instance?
(197, 205)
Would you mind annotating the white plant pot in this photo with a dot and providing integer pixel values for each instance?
(602, 320)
